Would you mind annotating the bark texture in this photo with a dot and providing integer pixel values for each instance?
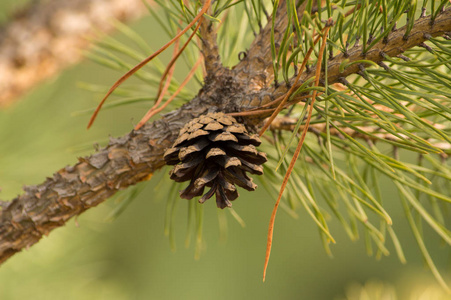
(134, 157)
(210, 51)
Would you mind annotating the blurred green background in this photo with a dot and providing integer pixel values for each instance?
(131, 258)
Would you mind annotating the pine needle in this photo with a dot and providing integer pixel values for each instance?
(291, 90)
(169, 72)
(175, 57)
(148, 59)
(153, 111)
(297, 151)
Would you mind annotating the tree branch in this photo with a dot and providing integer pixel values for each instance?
(47, 37)
(74, 189)
(394, 45)
(134, 157)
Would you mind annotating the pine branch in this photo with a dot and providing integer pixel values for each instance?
(134, 157)
(394, 45)
(46, 37)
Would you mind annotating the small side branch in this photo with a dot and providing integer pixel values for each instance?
(256, 68)
(396, 43)
(289, 124)
(210, 46)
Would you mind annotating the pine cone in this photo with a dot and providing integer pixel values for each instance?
(216, 151)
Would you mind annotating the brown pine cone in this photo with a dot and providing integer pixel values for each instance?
(216, 151)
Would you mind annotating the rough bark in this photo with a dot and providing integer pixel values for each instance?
(134, 157)
(47, 36)
(210, 51)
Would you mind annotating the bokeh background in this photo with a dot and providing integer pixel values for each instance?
(129, 257)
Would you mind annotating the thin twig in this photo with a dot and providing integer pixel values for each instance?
(289, 124)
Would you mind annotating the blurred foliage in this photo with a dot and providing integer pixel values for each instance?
(9, 7)
(377, 290)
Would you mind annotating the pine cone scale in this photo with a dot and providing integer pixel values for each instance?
(207, 178)
(248, 139)
(239, 178)
(251, 168)
(191, 191)
(222, 137)
(215, 152)
(184, 152)
(212, 126)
